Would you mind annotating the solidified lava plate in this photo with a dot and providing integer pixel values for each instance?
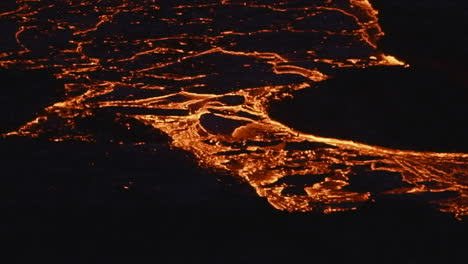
(203, 72)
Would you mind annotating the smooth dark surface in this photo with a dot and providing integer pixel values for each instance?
(69, 199)
(432, 33)
(421, 108)
(413, 108)
(24, 94)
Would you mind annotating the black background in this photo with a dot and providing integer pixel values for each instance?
(66, 199)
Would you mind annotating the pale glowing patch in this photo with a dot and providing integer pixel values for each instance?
(391, 60)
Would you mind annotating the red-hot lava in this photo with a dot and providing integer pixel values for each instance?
(203, 72)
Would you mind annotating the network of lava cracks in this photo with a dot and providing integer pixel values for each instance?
(203, 72)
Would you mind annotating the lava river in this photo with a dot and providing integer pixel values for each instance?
(204, 71)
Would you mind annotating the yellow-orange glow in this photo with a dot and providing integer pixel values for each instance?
(257, 149)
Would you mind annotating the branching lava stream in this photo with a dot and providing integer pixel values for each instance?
(203, 72)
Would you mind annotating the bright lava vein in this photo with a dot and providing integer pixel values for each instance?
(203, 72)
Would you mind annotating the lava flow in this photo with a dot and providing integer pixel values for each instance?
(203, 72)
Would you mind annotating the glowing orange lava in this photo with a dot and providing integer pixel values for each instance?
(207, 82)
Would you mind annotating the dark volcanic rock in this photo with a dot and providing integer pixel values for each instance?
(7, 5)
(432, 31)
(7, 41)
(408, 108)
(49, 174)
(300, 180)
(73, 194)
(420, 108)
(219, 125)
(232, 99)
(375, 181)
(24, 93)
(106, 126)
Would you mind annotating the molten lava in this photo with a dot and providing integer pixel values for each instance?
(203, 72)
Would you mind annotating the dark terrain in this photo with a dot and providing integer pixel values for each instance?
(69, 199)
(419, 108)
(82, 199)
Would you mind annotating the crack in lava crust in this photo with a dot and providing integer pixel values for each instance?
(182, 69)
